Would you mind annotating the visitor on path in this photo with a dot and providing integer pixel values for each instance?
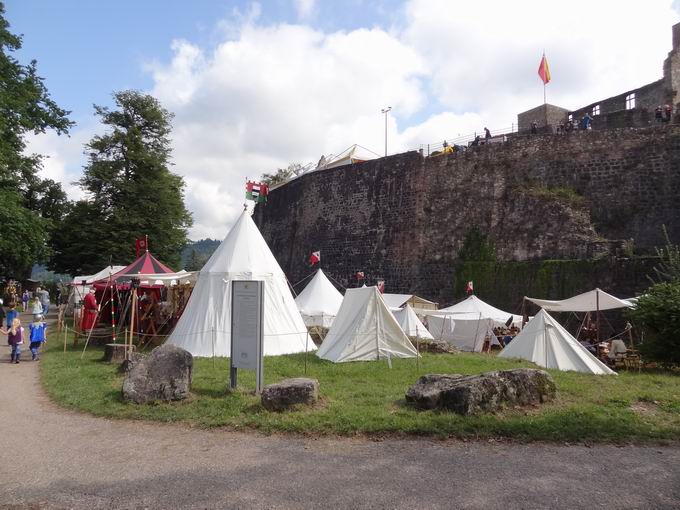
(36, 307)
(37, 336)
(25, 298)
(15, 337)
(12, 313)
(45, 300)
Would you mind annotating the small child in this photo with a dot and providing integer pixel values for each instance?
(36, 307)
(37, 335)
(11, 314)
(15, 337)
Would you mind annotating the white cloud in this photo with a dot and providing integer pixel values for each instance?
(304, 8)
(269, 95)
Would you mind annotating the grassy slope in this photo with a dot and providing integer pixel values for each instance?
(368, 398)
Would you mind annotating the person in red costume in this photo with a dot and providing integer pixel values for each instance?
(90, 309)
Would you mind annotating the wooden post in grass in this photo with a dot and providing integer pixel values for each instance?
(417, 349)
(65, 333)
(306, 349)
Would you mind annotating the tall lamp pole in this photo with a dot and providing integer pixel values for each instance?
(385, 111)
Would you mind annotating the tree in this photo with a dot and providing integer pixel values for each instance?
(658, 313)
(283, 174)
(130, 190)
(669, 267)
(30, 206)
(195, 262)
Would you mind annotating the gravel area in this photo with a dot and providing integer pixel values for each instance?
(53, 458)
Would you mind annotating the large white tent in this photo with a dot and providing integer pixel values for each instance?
(590, 301)
(466, 325)
(365, 330)
(545, 342)
(319, 302)
(205, 325)
(411, 324)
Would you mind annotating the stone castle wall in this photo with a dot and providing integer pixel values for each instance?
(405, 218)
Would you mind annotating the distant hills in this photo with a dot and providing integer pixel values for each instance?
(197, 253)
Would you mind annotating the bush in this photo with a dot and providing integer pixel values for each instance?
(658, 313)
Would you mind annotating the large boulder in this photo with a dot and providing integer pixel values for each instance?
(290, 392)
(165, 375)
(488, 392)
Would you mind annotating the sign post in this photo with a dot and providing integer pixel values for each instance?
(247, 335)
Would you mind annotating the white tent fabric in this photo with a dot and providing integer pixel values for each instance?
(411, 324)
(319, 302)
(353, 154)
(399, 300)
(467, 324)
(80, 286)
(169, 279)
(365, 330)
(206, 322)
(104, 273)
(545, 342)
(589, 301)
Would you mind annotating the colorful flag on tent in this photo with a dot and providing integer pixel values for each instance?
(141, 246)
(257, 191)
(544, 70)
(381, 286)
(470, 289)
(315, 257)
(360, 275)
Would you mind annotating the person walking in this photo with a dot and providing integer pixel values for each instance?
(36, 307)
(11, 313)
(45, 301)
(25, 298)
(15, 337)
(37, 336)
(487, 134)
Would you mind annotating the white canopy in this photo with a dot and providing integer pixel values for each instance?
(353, 154)
(319, 302)
(399, 300)
(169, 279)
(411, 324)
(587, 302)
(206, 321)
(365, 330)
(545, 342)
(467, 324)
(104, 273)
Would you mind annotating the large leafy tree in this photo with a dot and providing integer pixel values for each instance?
(30, 207)
(130, 189)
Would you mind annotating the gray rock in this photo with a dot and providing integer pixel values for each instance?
(127, 364)
(488, 392)
(290, 392)
(165, 375)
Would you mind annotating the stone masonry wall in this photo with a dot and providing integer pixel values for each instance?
(404, 218)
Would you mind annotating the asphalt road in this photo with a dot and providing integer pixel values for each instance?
(52, 458)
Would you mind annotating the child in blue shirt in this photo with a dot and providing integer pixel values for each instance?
(11, 314)
(37, 335)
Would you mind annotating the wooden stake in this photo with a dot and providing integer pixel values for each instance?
(65, 333)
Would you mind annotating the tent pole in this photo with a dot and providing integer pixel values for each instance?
(417, 349)
(307, 344)
(597, 316)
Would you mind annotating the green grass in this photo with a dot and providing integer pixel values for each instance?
(367, 398)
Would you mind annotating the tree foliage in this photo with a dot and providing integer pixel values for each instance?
(130, 189)
(283, 174)
(658, 313)
(477, 247)
(30, 207)
(669, 267)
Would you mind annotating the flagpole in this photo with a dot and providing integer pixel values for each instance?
(544, 63)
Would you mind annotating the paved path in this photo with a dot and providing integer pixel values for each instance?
(51, 458)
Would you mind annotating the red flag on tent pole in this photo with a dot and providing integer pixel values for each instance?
(140, 246)
(381, 286)
(470, 288)
(315, 257)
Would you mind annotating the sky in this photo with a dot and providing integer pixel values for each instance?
(255, 86)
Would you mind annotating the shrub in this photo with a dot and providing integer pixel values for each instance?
(658, 313)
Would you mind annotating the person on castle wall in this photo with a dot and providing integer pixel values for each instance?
(569, 126)
(487, 133)
(476, 141)
(668, 113)
(587, 122)
(658, 114)
(534, 127)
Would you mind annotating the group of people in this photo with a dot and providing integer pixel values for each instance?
(504, 335)
(10, 325)
(663, 113)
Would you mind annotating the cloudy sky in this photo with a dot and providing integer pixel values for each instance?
(258, 85)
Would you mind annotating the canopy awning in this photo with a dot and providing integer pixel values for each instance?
(590, 301)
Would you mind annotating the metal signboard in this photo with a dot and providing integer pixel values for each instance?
(247, 328)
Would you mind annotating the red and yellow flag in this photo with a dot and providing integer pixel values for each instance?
(544, 70)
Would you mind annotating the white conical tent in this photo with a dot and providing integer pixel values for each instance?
(365, 330)
(319, 302)
(206, 322)
(545, 342)
(411, 324)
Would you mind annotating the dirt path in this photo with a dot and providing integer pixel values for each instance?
(51, 458)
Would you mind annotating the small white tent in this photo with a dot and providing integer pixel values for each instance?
(206, 322)
(80, 286)
(467, 324)
(545, 342)
(411, 324)
(353, 154)
(590, 301)
(365, 330)
(319, 302)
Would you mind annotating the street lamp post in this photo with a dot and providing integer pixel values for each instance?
(385, 111)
